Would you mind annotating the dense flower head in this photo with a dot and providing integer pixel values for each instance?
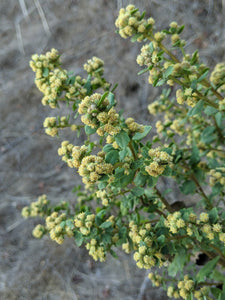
(94, 65)
(160, 159)
(84, 222)
(36, 208)
(130, 22)
(218, 76)
(92, 168)
(55, 228)
(97, 114)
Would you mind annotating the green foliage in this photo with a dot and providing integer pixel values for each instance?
(121, 203)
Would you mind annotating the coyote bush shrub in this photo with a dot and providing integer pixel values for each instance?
(121, 204)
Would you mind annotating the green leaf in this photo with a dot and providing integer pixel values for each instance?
(194, 57)
(207, 269)
(188, 187)
(216, 275)
(135, 37)
(213, 215)
(203, 76)
(151, 48)
(106, 238)
(45, 72)
(168, 72)
(112, 157)
(195, 158)
(87, 85)
(197, 235)
(207, 135)
(122, 139)
(209, 110)
(78, 238)
(106, 224)
(126, 179)
(89, 130)
(140, 135)
(111, 99)
(102, 98)
(196, 109)
(177, 264)
(160, 82)
(140, 179)
(108, 148)
(143, 71)
(138, 191)
(180, 29)
(219, 118)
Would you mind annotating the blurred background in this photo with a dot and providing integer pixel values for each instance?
(29, 163)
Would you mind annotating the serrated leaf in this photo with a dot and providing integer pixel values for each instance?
(213, 215)
(188, 187)
(140, 135)
(207, 269)
(112, 157)
(177, 264)
(140, 179)
(138, 191)
(122, 139)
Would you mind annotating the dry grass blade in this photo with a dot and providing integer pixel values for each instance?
(24, 8)
(19, 38)
(42, 16)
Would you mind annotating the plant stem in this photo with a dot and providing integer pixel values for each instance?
(164, 201)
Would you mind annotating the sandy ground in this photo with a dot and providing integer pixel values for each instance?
(29, 164)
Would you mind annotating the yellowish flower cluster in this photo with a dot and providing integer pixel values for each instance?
(96, 251)
(77, 88)
(145, 256)
(48, 79)
(174, 222)
(92, 168)
(217, 175)
(55, 229)
(185, 287)
(160, 160)
(131, 22)
(71, 154)
(178, 126)
(172, 292)
(133, 126)
(126, 247)
(102, 194)
(39, 231)
(218, 76)
(156, 279)
(51, 126)
(187, 96)
(201, 293)
(146, 57)
(84, 222)
(49, 60)
(93, 65)
(97, 115)
(36, 208)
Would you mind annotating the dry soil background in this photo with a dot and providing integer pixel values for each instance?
(29, 164)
